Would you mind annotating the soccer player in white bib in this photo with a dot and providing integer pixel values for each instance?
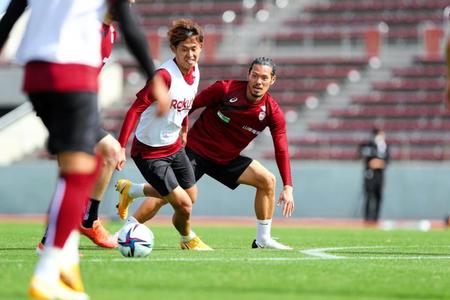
(113, 159)
(62, 57)
(158, 146)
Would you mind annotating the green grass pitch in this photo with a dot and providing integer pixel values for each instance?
(329, 264)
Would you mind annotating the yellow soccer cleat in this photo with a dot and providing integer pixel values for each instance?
(123, 186)
(71, 276)
(43, 290)
(195, 244)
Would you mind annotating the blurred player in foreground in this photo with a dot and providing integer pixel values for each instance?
(62, 57)
(235, 113)
(113, 158)
(158, 144)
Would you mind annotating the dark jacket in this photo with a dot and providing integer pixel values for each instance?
(369, 151)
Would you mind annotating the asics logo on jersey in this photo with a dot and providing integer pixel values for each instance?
(180, 105)
(248, 128)
(234, 99)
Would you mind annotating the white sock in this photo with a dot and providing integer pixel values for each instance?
(71, 255)
(136, 190)
(263, 228)
(131, 220)
(48, 265)
(187, 238)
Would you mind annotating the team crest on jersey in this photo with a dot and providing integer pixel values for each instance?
(262, 114)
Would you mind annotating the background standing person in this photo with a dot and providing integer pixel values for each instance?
(61, 53)
(235, 113)
(158, 144)
(375, 155)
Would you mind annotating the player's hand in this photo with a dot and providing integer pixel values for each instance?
(122, 160)
(161, 96)
(183, 135)
(287, 199)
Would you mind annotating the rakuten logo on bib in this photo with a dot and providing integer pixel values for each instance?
(181, 105)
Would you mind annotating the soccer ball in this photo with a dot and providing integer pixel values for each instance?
(135, 240)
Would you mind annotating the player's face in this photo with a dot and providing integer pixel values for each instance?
(259, 81)
(187, 54)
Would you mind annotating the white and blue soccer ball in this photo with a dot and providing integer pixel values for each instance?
(135, 240)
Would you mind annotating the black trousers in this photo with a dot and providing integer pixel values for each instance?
(373, 189)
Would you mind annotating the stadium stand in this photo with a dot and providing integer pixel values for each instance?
(334, 21)
(409, 107)
(328, 84)
(407, 104)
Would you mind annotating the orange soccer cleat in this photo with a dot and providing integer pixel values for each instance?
(40, 248)
(99, 235)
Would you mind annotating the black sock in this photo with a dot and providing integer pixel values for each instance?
(91, 213)
(44, 237)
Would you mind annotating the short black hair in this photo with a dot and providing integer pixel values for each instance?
(264, 61)
(377, 130)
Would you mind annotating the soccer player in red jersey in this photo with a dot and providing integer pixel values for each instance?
(235, 113)
(158, 144)
(61, 53)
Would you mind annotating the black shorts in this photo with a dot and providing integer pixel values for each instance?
(166, 173)
(225, 174)
(101, 133)
(71, 119)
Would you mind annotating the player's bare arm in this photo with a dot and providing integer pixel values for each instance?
(160, 93)
(122, 160)
(138, 46)
(183, 135)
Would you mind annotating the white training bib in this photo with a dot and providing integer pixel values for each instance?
(162, 131)
(63, 31)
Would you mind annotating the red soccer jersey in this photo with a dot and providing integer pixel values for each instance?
(109, 35)
(230, 122)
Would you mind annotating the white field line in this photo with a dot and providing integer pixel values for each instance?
(232, 259)
(264, 259)
(321, 252)
(236, 259)
(312, 254)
